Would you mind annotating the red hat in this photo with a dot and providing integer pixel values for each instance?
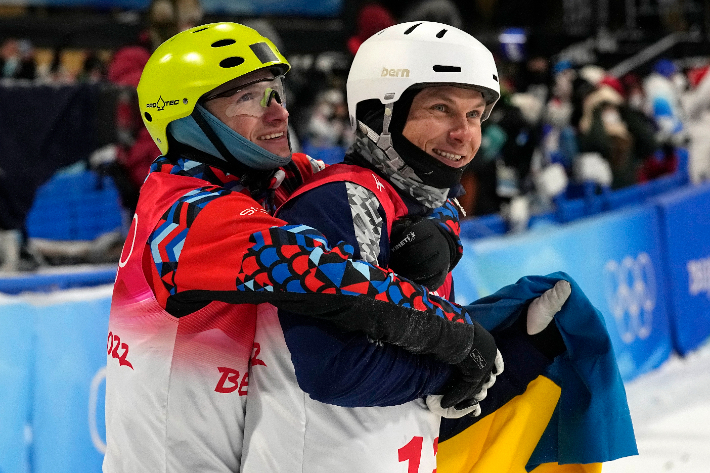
(127, 65)
(614, 83)
(371, 19)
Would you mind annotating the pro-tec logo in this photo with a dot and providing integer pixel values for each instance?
(394, 72)
(160, 104)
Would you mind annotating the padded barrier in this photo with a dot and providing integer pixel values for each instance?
(16, 375)
(52, 365)
(48, 282)
(685, 230)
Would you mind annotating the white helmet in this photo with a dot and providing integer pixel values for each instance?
(420, 52)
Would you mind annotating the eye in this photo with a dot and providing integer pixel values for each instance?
(474, 114)
(440, 107)
(245, 96)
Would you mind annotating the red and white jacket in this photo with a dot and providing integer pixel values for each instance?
(202, 263)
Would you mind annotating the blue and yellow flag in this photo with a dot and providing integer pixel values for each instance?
(570, 420)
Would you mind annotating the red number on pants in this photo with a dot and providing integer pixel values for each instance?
(412, 453)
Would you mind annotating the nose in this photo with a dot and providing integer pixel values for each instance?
(275, 112)
(462, 129)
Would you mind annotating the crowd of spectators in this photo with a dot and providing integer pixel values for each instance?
(557, 125)
(570, 125)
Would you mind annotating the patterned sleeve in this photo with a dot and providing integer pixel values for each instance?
(251, 257)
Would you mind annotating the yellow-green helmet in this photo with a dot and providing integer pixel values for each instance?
(194, 62)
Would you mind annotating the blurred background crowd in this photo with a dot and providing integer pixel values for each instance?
(596, 96)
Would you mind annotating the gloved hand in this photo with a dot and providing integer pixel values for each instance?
(420, 251)
(476, 373)
(426, 249)
(545, 336)
(433, 403)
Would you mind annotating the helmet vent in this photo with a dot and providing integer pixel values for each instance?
(441, 33)
(201, 29)
(412, 28)
(231, 62)
(495, 77)
(223, 42)
(148, 117)
(438, 68)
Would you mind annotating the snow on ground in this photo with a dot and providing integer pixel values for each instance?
(670, 409)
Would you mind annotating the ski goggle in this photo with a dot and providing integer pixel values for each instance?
(252, 99)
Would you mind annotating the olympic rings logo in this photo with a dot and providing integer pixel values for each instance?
(630, 290)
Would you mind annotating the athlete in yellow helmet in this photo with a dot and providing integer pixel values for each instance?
(205, 263)
(197, 85)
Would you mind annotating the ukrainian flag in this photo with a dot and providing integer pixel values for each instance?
(570, 420)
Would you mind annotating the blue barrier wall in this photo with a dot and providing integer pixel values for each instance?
(70, 359)
(685, 228)
(52, 365)
(16, 342)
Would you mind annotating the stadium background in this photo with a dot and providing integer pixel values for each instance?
(640, 252)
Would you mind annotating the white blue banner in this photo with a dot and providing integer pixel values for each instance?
(16, 359)
(69, 430)
(52, 381)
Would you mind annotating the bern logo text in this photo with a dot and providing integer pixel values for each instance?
(395, 72)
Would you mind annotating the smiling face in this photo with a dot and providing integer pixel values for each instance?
(445, 122)
(268, 130)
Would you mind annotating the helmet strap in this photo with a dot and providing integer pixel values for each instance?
(428, 169)
(384, 141)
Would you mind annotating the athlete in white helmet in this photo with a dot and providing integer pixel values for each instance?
(321, 400)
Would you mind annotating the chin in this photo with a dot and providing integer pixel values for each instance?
(283, 153)
(279, 150)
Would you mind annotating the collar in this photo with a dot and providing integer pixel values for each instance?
(185, 164)
(397, 172)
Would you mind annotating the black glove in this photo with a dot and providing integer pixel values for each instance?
(475, 373)
(420, 250)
